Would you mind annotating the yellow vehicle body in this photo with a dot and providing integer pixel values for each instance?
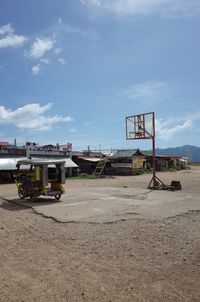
(41, 177)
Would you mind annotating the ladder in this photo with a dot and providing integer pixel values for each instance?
(100, 168)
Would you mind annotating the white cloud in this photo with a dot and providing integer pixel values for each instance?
(60, 21)
(62, 61)
(68, 29)
(36, 69)
(166, 129)
(92, 2)
(44, 61)
(31, 117)
(12, 41)
(6, 29)
(134, 7)
(72, 130)
(57, 50)
(40, 46)
(74, 30)
(9, 39)
(147, 91)
(194, 116)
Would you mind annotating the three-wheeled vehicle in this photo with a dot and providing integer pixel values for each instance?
(37, 177)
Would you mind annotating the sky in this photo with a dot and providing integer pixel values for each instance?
(72, 70)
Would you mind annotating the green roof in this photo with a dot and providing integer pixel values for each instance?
(147, 153)
(126, 153)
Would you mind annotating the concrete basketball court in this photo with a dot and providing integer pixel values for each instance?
(111, 204)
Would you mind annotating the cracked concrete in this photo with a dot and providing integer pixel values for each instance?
(104, 205)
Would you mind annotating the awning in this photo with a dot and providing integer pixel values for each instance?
(183, 160)
(10, 164)
(70, 164)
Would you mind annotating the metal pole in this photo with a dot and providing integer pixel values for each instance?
(154, 162)
(154, 153)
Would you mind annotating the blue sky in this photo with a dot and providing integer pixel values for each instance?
(72, 70)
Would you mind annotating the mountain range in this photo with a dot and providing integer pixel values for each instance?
(192, 152)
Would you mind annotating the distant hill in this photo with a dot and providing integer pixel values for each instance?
(192, 152)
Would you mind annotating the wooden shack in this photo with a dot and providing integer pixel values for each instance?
(126, 162)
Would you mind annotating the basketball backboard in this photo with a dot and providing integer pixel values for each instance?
(140, 126)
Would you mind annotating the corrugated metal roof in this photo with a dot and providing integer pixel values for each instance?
(124, 153)
(10, 164)
(70, 164)
(149, 153)
(39, 161)
(92, 159)
(50, 161)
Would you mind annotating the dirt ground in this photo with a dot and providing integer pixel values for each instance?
(137, 258)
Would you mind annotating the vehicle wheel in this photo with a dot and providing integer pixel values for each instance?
(57, 197)
(21, 194)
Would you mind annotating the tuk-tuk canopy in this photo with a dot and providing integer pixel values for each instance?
(41, 162)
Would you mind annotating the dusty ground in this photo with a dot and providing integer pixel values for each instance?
(151, 253)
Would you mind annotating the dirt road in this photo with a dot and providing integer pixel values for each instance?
(135, 259)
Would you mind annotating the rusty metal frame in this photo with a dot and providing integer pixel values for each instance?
(140, 118)
(144, 134)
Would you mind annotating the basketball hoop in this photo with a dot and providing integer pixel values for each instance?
(142, 126)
